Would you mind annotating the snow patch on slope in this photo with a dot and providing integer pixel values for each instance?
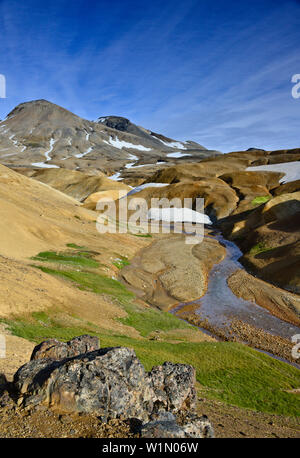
(291, 170)
(177, 154)
(115, 176)
(116, 143)
(179, 145)
(79, 155)
(48, 158)
(146, 185)
(178, 215)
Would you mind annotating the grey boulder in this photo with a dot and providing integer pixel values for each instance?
(54, 349)
(166, 426)
(110, 382)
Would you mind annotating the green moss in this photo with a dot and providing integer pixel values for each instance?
(142, 235)
(73, 245)
(260, 200)
(41, 326)
(94, 282)
(147, 320)
(259, 248)
(229, 372)
(120, 263)
(78, 259)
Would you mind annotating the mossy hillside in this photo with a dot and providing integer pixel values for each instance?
(78, 257)
(97, 283)
(40, 326)
(81, 259)
(144, 320)
(226, 371)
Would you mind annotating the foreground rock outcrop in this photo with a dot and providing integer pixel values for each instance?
(112, 383)
(54, 349)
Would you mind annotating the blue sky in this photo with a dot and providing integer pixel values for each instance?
(217, 72)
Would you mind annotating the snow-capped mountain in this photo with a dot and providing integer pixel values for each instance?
(40, 134)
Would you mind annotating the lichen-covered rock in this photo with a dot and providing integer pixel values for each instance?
(54, 349)
(162, 430)
(165, 426)
(197, 427)
(174, 386)
(110, 382)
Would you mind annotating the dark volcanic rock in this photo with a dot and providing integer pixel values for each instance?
(255, 149)
(54, 349)
(116, 122)
(166, 426)
(197, 427)
(109, 382)
(3, 380)
(112, 383)
(163, 427)
(3, 384)
(174, 386)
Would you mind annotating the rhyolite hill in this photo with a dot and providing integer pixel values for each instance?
(60, 278)
(42, 134)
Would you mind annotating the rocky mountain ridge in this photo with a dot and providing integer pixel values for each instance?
(40, 134)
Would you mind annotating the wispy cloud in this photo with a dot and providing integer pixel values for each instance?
(216, 72)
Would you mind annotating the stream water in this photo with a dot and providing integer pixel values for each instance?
(220, 306)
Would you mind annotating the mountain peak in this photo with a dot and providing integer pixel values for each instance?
(38, 106)
(42, 134)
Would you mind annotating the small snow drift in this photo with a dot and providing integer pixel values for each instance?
(177, 155)
(44, 165)
(79, 155)
(48, 158)
(115, 176)
(291, 170)
(174, 144)
(146, 185)
(122, 144)
(178, 215)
